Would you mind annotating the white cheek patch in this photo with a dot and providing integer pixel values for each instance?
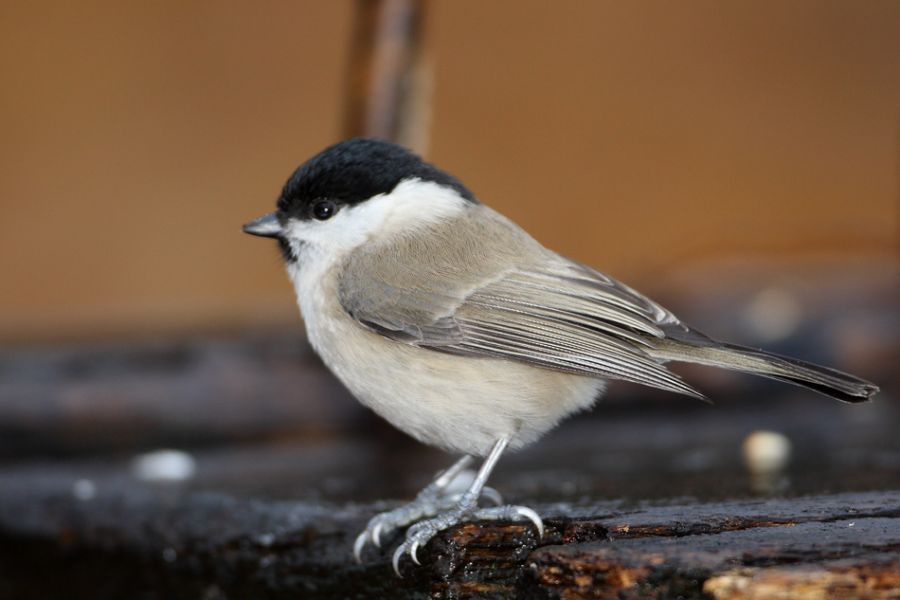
(412, 204)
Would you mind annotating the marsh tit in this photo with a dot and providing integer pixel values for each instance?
(455, 325)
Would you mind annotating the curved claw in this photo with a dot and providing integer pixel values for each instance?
(492, 495)
(512, 513)
(376, 534)
(524, 511)
(358, 546)
(395, 560)
(412, 552)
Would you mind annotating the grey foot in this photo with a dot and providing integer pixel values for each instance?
(431, 501)
(421, 533)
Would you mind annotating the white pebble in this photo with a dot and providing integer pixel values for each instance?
(84, 489)
(766, 452)
(164, 465)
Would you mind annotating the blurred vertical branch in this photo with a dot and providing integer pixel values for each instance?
(388, 85)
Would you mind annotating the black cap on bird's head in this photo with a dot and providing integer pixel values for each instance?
(346, 174)
(355, 170)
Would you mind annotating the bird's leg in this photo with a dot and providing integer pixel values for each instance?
(430, 501)
(466, 505)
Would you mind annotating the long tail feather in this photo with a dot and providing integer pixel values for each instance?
(704, 351)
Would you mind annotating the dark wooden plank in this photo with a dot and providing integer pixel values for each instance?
(860, 550)
(163, 541)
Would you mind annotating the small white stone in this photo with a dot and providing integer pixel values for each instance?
(766, 452)
(164, 465)
(84, 489)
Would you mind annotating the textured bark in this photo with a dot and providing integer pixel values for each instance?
(134, 539)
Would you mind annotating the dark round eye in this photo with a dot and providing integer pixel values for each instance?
(324, 210)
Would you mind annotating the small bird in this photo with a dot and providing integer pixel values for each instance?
(455, 325)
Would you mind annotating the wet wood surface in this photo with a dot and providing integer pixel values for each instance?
(156, 541)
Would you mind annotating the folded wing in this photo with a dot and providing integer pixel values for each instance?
(505, 296)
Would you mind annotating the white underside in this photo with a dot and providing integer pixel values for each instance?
(461, 404)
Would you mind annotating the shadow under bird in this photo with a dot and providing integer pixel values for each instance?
(455, 325)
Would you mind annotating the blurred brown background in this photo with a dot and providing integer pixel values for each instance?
(739, 161)
(639, 137)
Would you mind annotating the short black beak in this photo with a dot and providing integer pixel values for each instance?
(265, 226)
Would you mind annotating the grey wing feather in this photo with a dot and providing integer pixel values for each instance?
(561, 317)
(505, 296)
